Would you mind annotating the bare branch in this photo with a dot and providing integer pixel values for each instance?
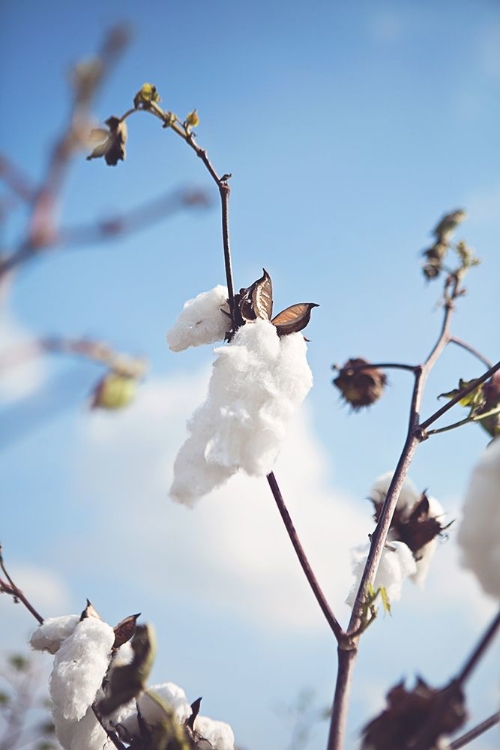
(476, 732)
(11, 589)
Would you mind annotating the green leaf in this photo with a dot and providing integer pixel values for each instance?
(474, 399)
(385, 599)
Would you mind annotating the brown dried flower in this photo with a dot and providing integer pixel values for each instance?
(360, 384)
(111, 142)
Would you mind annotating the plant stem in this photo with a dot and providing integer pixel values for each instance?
(478, 652)
(377, 366)
(477, 731)
(413, 438)
(468, 420)
(302, 557)
(472, 350)
(471, 387)
(16, 592)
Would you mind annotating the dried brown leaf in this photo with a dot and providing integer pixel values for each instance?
(90, 611)
(125, 630)
(262, 296)
(293, 318)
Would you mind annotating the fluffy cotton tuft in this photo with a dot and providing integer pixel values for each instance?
(202, 321)
(258, 381)
(396, 564)
(52, 632)
(152, 713)
(79, 668)
(479, 532)
(408, 497)
(218, 733)
(86, 734)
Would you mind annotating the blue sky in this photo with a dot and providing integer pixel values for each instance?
(349, 130)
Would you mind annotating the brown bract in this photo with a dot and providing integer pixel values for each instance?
(399, 724)
(256, 301)
(416, 529)
(360, 384)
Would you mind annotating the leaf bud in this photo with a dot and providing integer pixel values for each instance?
(114, 391)
(360, 384)
(192, 120)
(146, 95)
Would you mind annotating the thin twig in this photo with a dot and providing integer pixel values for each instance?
(471, 349)
(377, 366)
(302, 557)
(413, 439)
(479, 650)
(110, 734)
(455, 400)
(468, 420)
(477, 731)
(11, 589)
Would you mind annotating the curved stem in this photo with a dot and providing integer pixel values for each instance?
(477, 731)
(467, 420)
(303, 560)
(472, 350)
(455, 400)
(16, 593)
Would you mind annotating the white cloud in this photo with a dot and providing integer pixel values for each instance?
(21, 369)
(45, 590)
(232, 550)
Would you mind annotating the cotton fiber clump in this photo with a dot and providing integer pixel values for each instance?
(404, 528)
(396, 564)
(218, 733)
(409, 494)
(479, 532)
(202, 321)
(79, 667)
(151, 710)
(52, 632)
(258, 381)
(86, 734)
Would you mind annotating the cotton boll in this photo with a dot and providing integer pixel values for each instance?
(52, 632)
(86, 734)
(396, 564)
(258, 381)
(479, 531)
(79, 667)
(202, 321)
(407, 498)
(171, 695)
(424, 555)
(218, 733)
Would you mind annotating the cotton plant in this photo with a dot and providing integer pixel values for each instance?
(98, 688)
(259, 379)
(479, 531)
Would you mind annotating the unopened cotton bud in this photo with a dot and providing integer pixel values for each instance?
(114, 391)
(360, 384)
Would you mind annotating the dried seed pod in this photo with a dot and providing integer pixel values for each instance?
(360, 384)
(293, 318)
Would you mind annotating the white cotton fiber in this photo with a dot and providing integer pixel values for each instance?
(52, 632)
(79, 667)
(258, 381)
(86, 734)
(202, 321)
(396, 564)
(479, 531)
(218, 733)
(408, 497)
(172, 695)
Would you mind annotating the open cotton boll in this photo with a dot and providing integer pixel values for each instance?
(424, 555)
(172, 695)
(408, 497)
(479, 531)
(202, 321)
(258, 381)
(79, 667)
(151, 711)
(218, 733)
(52, 632)
(86, 734)
(396, 564)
